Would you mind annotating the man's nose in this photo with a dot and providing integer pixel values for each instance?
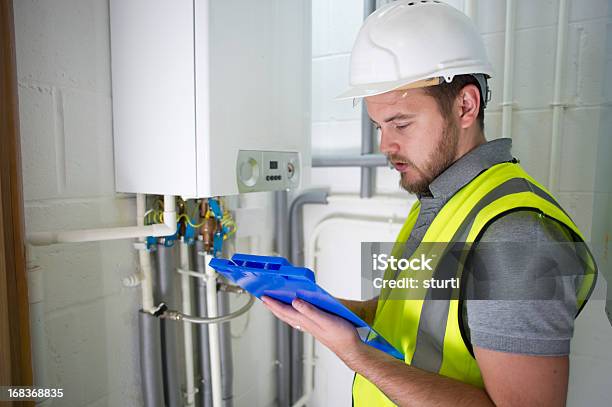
(388, 145)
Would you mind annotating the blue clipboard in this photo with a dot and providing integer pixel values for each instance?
(275, 277)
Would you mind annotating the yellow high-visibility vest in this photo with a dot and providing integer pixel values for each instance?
(432, 346)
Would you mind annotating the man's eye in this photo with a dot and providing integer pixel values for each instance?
(402, 126)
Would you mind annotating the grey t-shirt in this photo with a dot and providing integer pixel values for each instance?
(519, 314)
(542, 327)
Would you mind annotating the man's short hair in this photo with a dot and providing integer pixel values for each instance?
(446, 93)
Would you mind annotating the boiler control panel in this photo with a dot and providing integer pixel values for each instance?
(267, 170)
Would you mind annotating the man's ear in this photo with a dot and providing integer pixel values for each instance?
(468, 105)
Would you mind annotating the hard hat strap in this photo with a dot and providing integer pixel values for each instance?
(485, 92)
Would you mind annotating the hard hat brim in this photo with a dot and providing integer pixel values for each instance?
(373, 89)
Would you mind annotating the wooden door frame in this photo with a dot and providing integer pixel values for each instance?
(15, 351)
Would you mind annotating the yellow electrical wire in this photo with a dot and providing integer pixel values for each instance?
(147, 215)
(226, 219)
(195, 226)
(159, 203)
(196, 211)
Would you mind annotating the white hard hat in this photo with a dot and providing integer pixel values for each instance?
(409, 44)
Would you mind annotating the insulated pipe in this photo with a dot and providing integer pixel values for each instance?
(557, 104)
(365, 160)
(470, 9)
(168, 228)
(227, 365)
(213, 332)
(309, 356)
(166, 265)
(187, 328)
(368, 174)
(281, 223)
(150, 360)
(144, 258)
(507, 103)
(203, 349)
(282, 330)
(297, 365)
(369, 6)
(374, 203)
(296, 228)
(296, 221)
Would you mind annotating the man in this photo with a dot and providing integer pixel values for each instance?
(422, 69)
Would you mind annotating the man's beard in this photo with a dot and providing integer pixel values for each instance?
(442, 157)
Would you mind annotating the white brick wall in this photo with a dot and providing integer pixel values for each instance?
(91, 330)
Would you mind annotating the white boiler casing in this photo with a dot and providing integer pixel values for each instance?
(210, 97)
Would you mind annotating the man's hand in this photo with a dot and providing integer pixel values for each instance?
(510, 380)
(339, 335)
(403, 384)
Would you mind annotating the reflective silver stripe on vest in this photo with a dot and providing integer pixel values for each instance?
(434, 313)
